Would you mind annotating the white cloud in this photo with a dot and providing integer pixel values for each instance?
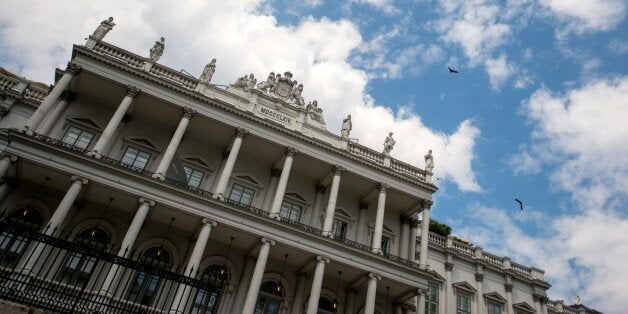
(618, 47)
(244, 38)
(590, 15)
(499, 70)
(385, 5)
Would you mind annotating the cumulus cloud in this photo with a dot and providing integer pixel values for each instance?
(499, 70)
(587, 16)
(385, 5)
(245, 38)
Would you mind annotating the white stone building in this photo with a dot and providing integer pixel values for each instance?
(130, 187)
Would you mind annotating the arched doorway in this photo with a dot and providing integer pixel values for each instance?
(145, 283)
(14, 239)
(269, 298)
(77, 268)
(207, 300)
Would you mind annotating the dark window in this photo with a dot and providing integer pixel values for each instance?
(385, 244)
(135, 157)
(494, 308)
(290, 211)
(207, 300)
(78, 138)
(269, 298)
(339, 228)
(13, 244)
(463, 303)
(194, 176)
(241, 194)
(431, 302)
(145, 284)
(78, 267)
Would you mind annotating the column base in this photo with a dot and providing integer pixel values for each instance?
(327, 234)
(274, 216)
(424, 266)
(218, 196)
(377, 251)
(28, 131)
(158, 176)
(94, 154)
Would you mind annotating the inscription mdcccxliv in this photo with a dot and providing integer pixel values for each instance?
(275, 115)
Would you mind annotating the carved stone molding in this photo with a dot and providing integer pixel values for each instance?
(508, 287)
(337, 170)
(291, 151)
(426, 204)
(132, 92)
(207, 221)
(147, 201)
(414, 223)
(188, 113)
(241, 133)
(82, 180)
(72, 69)
(383, 187)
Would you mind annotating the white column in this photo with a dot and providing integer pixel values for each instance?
(425, 229)
(421, 303)
(450, 306)
(508, 288)
(114, 122)
(403, 236)
(376, 244)
(412, 240)
(350, 305)
(270, 190)
(226, 171)
(317, 282)
(53, 117)
(188, 114)
(221, 168)
(4, 190)
(297, 301)
(64, 206)
(331, 203)
(258, 273)
(183, 292)
(52, 98)
(5, 163)
(318, 200)
(371, 293)
(361, 226)
(243, 285)
(479, 277)
(283, 181)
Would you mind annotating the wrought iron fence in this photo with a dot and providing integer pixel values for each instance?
(59, 275)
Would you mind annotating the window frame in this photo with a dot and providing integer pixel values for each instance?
(139, 150)
(432, 300)
(293, 205)
(244, 186)
(82, 131)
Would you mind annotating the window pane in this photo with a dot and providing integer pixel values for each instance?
(241, 194)
(339, 228)
(135, 157)
(385, 244)
(290, 211)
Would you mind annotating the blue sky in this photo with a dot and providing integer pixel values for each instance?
(536, 112)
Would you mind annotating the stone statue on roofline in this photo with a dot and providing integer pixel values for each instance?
(104, 27)
(296, 95)
(346, 127)
(158, 50)
(268, 84)
(388, 144)
(315, 112)
(208, 71)
(245, 83)
(429, 161)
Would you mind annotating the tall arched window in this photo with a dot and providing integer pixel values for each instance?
(269, 298)
(13, 241)
(146, 283)
(78, 267)
(208, 299)
(325, 306)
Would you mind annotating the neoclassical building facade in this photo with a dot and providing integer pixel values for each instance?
(132, 187)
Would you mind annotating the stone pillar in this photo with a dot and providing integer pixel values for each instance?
(376, 245)
(5, 163)
(414, 224)
(52, 98)
(188, 114)
(226, 171)
(350, 305)
(297, 301)
(4, 190)
(361, 226)
(479, 286)
(283, 181)
(318, 200)
(183, 292)
(425, 229)
(404, 236)
(53, 117)
(508, 287)
(317, 282)
(243, 285)
(421, 302)
(450, 306)
(221, 168)
(270, 190)
(258, 273)
(64, 206)
(114, 122)
(331, 203)
(398, 309)
(371, 293)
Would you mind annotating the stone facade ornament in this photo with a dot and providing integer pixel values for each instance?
(158, 50)
(266, 86)
(245, 83)
(389, 143)
(315, 113)
(297, 99)
(346, 127)
(208, 72)
(429, 161)
(104, 27)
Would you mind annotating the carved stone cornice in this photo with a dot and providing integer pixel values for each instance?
(450, 266)
(479, 276)
(73, 69)
(132, 92)
(321, 189)
(241, 133)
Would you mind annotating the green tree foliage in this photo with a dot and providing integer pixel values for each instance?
(439, 228)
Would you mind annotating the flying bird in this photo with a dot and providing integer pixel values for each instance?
(452, 70)
(520, 204)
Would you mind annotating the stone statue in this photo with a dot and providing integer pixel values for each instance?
(157, 50)
(104, 27)
(315, 113)
(346, 127)
(250, 84)
(268, 84)
(296, 95)
(429, 161)
(208, 71)
(388, 144)
(245, 83)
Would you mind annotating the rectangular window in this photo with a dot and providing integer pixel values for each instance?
(194, 176)
(385, 244)
(290, 211)
(431, 301)
(135, 157)
(494, 308)
(241, 194)
(78, 138)
(339, 228)
(463, 303)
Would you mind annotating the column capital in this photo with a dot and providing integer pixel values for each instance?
(241, 133)
(383, 187)
(414, 223)
(449, 266)
(374, 276)
(322, 259)
(405, 219)
(363, 205)
(508, 287)
(266, 240)
(420, 291)
(337, 170)
(132, 91)
(72, 68)
(291, 151)
(321, 189)
(426, 204)
(147, 201)
(68, 96)
(275, 173)
(11, 158)
(207, 221)
(188, 113)
(479, 276)
(81, 180)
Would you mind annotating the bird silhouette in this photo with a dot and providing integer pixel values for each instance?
(452, 70)
(520, 204)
